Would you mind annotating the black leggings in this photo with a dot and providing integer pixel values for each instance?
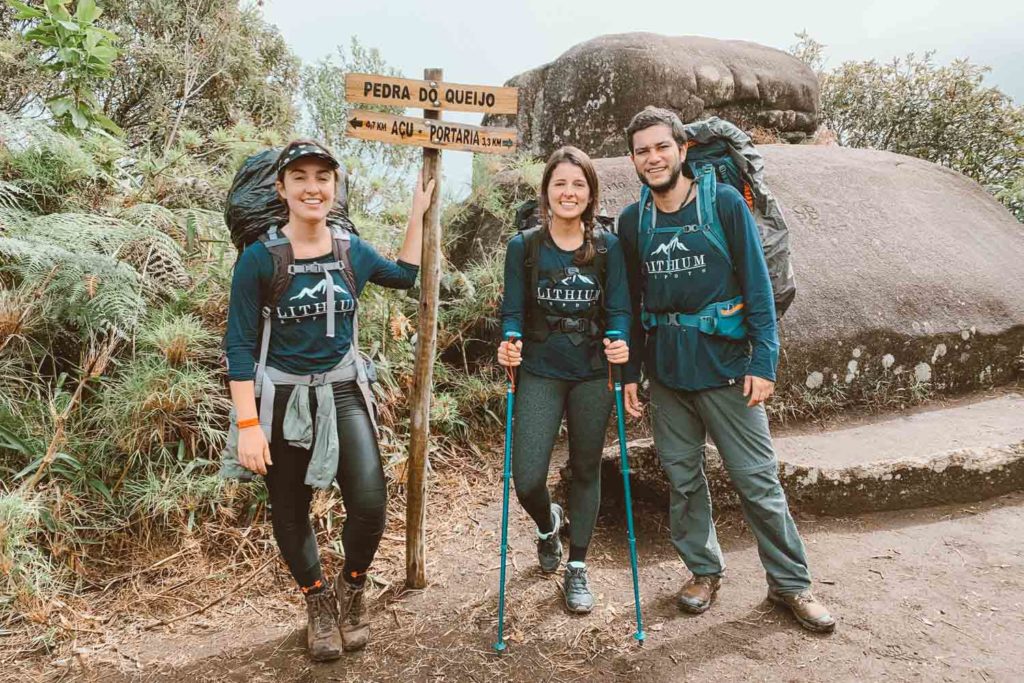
(540, 404)
(360, 476)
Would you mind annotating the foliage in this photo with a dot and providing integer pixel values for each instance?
(53, 172)
(80, 55)
(913, 106)
(197, 65)
(809, 51)
(113, 297)
(377, 171)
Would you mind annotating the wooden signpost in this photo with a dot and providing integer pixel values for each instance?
(433, 135)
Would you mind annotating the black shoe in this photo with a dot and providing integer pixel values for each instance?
(578, 598)
(549, 550)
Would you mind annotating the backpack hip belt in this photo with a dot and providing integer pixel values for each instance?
(722, 318)
(297, 427)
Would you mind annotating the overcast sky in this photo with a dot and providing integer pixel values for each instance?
(486, 43)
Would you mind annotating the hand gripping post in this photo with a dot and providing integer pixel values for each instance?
(615, 335)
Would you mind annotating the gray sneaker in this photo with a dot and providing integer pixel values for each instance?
(549, 550)
(578, 598)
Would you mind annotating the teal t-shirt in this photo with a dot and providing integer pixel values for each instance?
(298, 340)
(683, 273)
(569, 294)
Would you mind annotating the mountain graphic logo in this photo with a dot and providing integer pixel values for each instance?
(574, 278)
(670, 246)
(317, 290)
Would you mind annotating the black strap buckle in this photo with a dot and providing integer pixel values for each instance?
(572, 325)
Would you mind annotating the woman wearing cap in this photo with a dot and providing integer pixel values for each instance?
(565, 287)
(294, 350)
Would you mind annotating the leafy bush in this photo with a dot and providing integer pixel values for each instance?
(913, 106)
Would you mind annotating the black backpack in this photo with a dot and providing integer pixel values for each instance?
(538, 324)
(254, 208)
(253, 205)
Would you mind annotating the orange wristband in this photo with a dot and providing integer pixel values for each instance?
(251, 422)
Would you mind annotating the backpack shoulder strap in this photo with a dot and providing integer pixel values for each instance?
(707, 209)
(282, 256)
(531, 239)
(645, 222)
(601, 254)
(341, 244)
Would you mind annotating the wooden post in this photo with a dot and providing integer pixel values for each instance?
(426, 345)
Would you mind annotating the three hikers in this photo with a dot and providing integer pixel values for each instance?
(681, 296)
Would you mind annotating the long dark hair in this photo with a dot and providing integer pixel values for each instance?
(569, 154)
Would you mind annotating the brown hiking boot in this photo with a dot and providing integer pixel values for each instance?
(322, 634)
(698, 593)
(809, 613)
(355, 628)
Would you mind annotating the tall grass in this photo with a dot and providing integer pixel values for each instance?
(113, 407)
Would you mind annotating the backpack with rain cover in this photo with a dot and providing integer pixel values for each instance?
(253, 205)
(728, 151)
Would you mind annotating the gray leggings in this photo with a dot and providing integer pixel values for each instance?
(540, 404)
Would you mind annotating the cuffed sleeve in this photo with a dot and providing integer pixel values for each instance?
(252, 271)
(513, 299)
(755, 284)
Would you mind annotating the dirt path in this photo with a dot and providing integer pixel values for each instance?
(926, 595)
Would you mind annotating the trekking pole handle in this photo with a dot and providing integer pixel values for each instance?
(511, 337)
(615, 335)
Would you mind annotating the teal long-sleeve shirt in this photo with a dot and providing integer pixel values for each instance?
(692, 275)
(557, 357)
(298, 327)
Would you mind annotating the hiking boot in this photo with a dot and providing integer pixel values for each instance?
(322, 636)
(355, 628)
(549, 550)
(578, 598)
(809, 613)
(698, 592)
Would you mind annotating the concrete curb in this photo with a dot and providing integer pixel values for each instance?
(961, 454)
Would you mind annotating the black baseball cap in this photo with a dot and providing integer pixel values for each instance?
(300, 149)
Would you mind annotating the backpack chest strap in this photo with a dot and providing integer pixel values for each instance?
(326, 269)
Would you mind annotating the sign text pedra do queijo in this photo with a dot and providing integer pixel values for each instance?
(405, 92)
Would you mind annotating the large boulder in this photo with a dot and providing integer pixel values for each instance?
(910, 278)
(588, 95)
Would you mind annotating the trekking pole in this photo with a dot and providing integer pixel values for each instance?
(620, 414)
(510, 398)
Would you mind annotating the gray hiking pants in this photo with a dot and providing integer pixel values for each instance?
(682, 421)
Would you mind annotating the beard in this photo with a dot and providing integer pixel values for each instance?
(668, 184)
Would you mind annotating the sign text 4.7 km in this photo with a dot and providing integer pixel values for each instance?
(436, 134)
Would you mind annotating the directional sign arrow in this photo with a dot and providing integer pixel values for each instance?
(401, 130)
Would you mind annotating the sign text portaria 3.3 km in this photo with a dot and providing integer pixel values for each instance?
(402, 130)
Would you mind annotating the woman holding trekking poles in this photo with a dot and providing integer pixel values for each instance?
(565, 288)
(292, 347)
